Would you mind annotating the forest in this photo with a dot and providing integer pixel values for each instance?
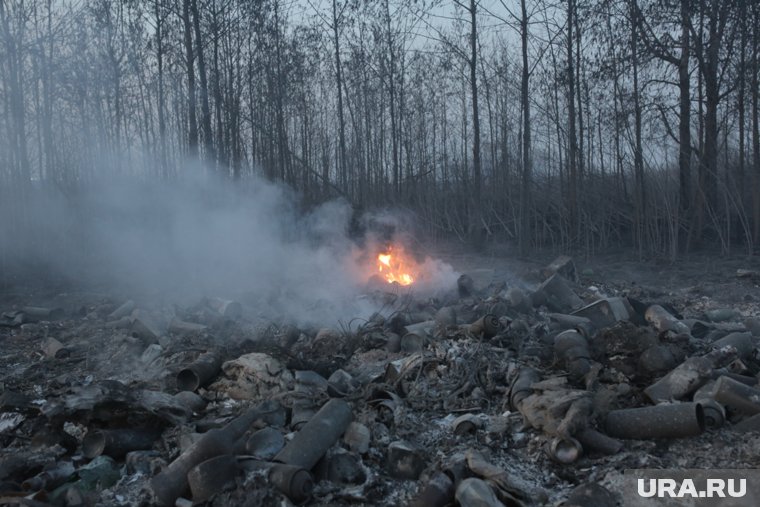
(336, 253)
(572, 125)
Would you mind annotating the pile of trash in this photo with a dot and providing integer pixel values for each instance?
(490, 395)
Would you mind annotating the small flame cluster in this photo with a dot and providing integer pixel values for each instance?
(392, 268)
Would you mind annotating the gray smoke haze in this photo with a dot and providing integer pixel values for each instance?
(202, 236)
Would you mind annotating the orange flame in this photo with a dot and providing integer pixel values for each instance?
(393, 269)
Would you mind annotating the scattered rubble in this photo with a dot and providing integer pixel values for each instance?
(491, 394)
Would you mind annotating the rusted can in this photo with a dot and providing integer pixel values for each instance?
(487, 326)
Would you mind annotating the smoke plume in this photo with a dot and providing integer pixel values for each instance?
(204, 236)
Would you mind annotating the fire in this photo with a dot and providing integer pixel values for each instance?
(393, 269)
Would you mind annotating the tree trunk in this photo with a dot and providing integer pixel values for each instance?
(476, 216)
(684, 118)
(709, 63)
(638, 160)
(572, 155)
(740, 106)
(190, 64)
(162, 155)
(279, 113)
(527, 163)
(339, 90)
(756, 121)
(208, 139)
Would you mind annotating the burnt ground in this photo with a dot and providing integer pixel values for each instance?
(49, 403)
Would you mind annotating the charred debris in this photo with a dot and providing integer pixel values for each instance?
(491, 395)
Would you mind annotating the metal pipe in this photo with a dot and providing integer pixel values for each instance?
(190, 400)
(317, 436)
(422, 328)
(565, 450)
(487, 326)
(521, 387)
(413, 342)
(200, 372)
(225, 308)
(51, 478)
(674, 420)
(37, 313)
(446, 316)
(295, 482)
(122, 311)
(571, 348)
(557, 295)
(438, 492)
(663, 321)
(116, 443)
(172, 483)
(211, 476)
(562, 321)
(596, 441)
(683, 380)
(748, 424)
(733, 394)
(292, 481)
(744, 343)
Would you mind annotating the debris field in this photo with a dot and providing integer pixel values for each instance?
(496, 392)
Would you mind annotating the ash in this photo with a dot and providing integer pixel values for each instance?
(463, 395)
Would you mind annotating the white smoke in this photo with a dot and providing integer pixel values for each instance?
(204, 236)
